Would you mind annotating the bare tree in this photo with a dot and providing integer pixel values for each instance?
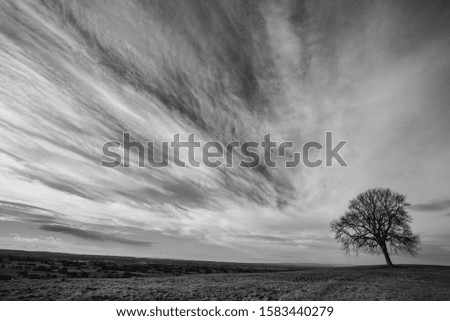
(377, 222)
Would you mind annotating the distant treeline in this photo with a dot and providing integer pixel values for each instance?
(37, 265)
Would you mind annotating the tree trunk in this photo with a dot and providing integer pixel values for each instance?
(386, 255)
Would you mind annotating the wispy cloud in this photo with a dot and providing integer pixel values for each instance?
(75, 76)
(90, 235)
(432, 206)
(26, 213)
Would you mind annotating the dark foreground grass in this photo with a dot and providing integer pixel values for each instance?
(315, 283)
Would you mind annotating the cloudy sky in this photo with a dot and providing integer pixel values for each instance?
(75, 74)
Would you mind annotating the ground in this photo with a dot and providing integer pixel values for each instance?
(200, 281)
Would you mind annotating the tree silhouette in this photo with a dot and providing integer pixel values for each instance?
(377, 222)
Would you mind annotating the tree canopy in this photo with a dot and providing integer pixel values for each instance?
(377, 222)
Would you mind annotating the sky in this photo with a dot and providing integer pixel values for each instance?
(76, 74)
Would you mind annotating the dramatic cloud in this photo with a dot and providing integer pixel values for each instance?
(76, 74)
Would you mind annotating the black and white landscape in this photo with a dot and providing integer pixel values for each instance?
(76, 74)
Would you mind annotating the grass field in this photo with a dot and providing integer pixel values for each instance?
(238, 282)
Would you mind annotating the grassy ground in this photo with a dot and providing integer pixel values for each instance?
(315, 283)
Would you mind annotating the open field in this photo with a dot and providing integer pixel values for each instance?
(191, 280)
